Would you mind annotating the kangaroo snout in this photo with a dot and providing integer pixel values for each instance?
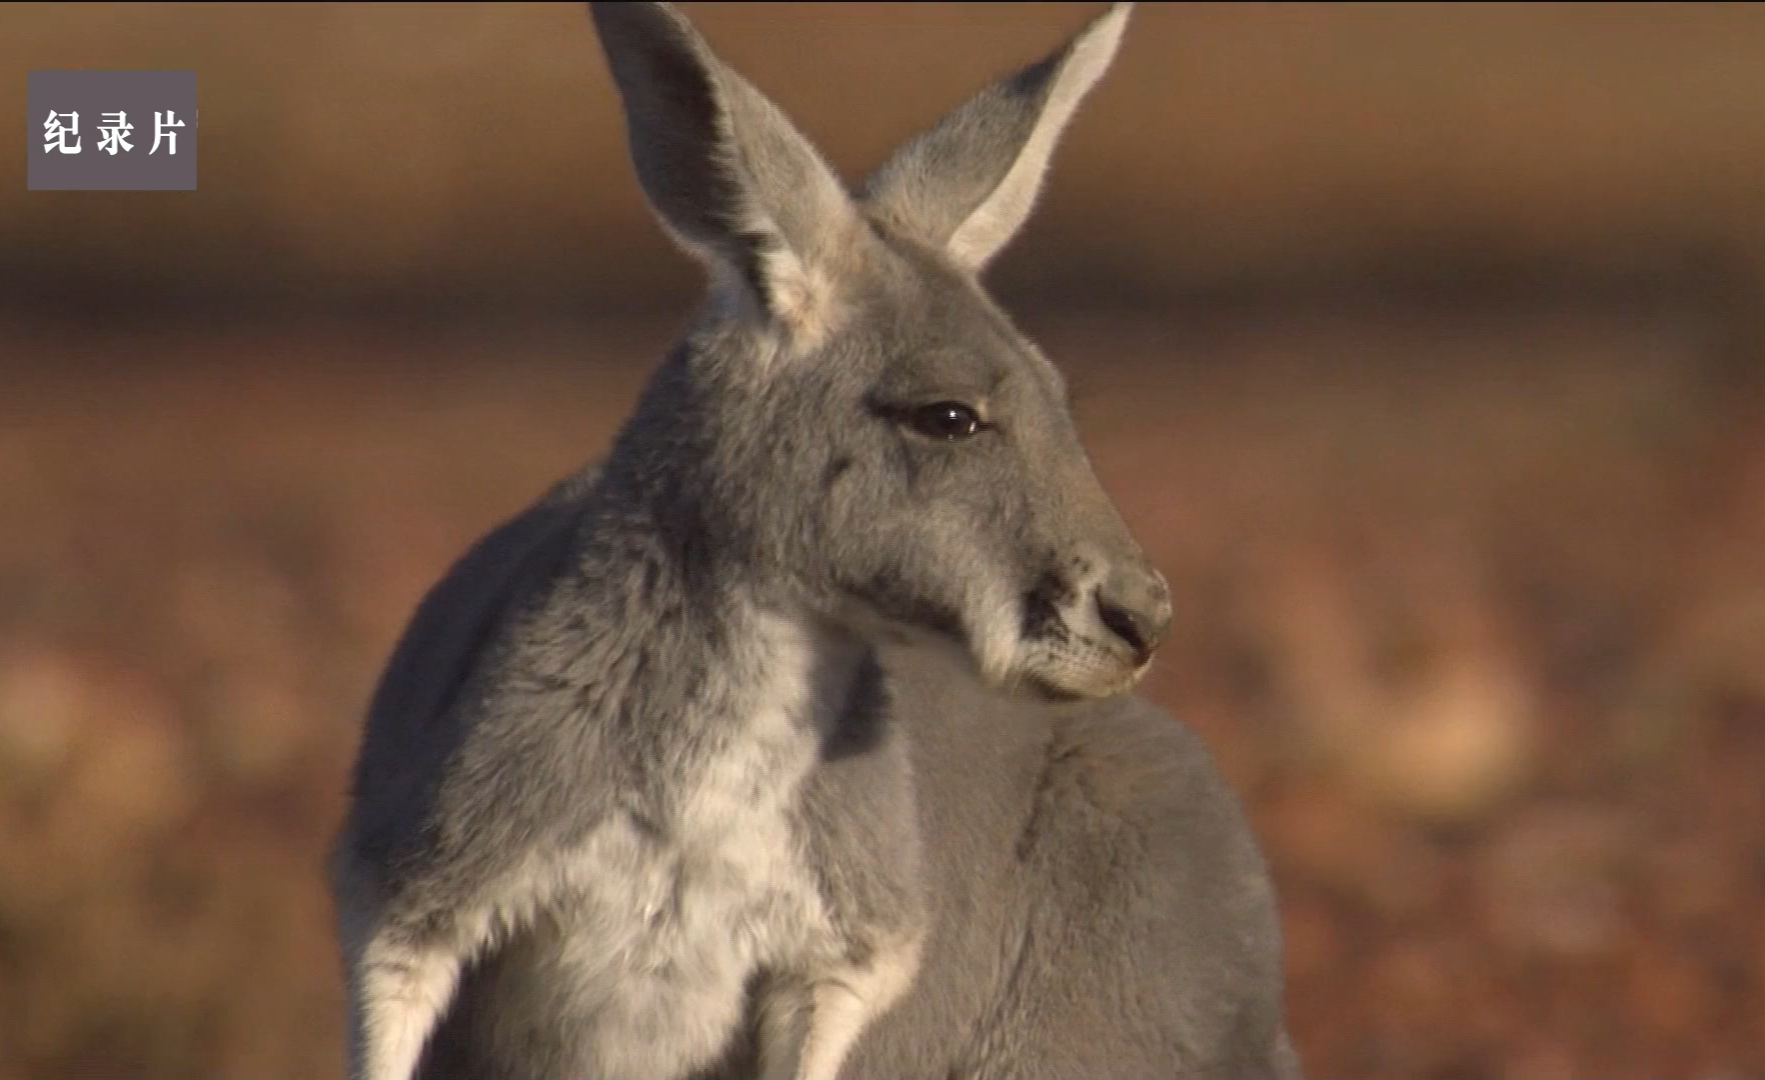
(1135, 605)
(1093, 635)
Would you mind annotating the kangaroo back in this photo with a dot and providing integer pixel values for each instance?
(1102, 907)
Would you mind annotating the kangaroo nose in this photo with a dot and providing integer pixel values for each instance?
(1136, 606)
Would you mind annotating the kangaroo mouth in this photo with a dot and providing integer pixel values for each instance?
(1049, 661)
(1064, 664)
(1066, 679)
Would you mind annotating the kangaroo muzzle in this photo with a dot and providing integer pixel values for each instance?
(1134, 604)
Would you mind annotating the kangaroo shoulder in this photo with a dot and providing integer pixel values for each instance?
(409, 733)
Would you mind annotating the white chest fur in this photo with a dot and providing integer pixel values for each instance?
(660, 929)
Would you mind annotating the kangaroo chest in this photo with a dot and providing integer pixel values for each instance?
(667, 917)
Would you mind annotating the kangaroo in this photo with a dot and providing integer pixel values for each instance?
(794, 738)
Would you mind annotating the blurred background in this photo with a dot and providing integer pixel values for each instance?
(1420, 343)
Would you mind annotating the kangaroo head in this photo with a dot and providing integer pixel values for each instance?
(853, 417)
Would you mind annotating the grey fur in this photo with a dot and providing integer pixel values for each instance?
(793, 739)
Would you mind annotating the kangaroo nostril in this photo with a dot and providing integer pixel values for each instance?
(1141, 623)
(1130, 627)
(1121, 622)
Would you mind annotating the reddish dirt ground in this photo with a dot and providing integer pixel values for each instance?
(1472, 611)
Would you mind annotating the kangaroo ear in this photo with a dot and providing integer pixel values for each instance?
(966, 185)
(730, 177)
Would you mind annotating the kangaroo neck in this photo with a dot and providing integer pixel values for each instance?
(666, 627)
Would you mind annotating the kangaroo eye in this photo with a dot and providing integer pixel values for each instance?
(948, 420)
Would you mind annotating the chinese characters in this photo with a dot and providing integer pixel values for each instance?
(61, 133)
(56, 133)
(111, 131)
